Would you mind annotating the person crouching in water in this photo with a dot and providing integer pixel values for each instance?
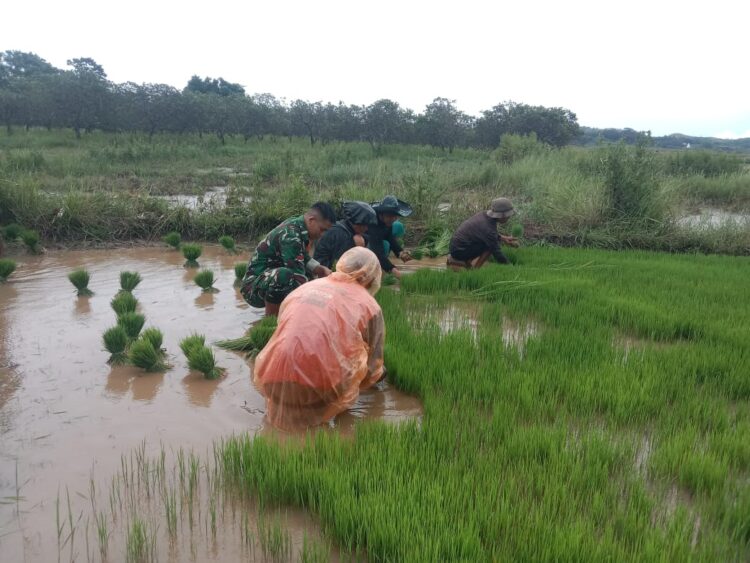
(327, 347)
(380, 237)
(477, 237)
(282, 263)
(345, 234)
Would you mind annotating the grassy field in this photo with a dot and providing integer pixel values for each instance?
(616, 429)
(107, 187)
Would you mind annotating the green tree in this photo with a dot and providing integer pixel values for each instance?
(443, 125)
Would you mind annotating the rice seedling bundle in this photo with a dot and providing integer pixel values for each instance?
(80, 279)
(240, 269)
(228, 243)
(142, 354)
(116, 342)
(201, 358)
(389, 279)
(31, 240)
(254, 340)
(129, 280)
(173, 239)
(517, 230)
(132, 323)
(205, 280)
(190, 342)
(124, 302)
(12, 232)
(191, 252)
(7, 267)
(417, 253)
(155, 337)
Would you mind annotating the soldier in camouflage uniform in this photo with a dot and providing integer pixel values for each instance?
(282, 263)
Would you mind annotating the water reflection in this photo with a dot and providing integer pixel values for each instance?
(199, 390)
(83, 306)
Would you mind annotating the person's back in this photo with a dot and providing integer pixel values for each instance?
(328, 345)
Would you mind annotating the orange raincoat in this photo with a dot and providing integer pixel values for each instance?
(328, 345)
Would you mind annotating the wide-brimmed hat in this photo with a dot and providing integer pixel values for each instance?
(501, 208)
(360, 213)
(391, 204)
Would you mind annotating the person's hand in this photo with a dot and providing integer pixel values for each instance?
(396, 272)
(405, 256)
(510, 241)
(359, 240)
(321, 271)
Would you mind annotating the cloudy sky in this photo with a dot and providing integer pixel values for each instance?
(664, 65)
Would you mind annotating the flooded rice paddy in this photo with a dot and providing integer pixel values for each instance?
(66, 415)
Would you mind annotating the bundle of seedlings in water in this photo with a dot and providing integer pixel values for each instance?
(80, 279)
(173, 239)
(132, 323)
(142, 354)
(190, 342)
(191, 252)
(129, 280)
(12, 232)
(205, 280)
(116, 342)
(201, 358)
(417, 253)
(254, 340)
(240, 269)
(123, 302)
(31, 240)
(517, 230)
(155, 337)
(7, 267)
(228, 243)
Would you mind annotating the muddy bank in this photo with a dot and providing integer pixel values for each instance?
(65, 413)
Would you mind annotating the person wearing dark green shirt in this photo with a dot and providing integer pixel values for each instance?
(281, 262)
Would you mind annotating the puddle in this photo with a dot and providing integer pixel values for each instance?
(213, 198)
(437, 263)
(64, 411)
(633, 345)
(710, 218)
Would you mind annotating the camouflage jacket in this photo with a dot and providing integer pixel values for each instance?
(285, 246)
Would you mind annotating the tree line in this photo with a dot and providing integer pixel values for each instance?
(34, 93)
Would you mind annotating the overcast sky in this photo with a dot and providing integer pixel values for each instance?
(664, 65)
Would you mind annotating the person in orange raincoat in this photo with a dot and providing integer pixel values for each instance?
(327, 347)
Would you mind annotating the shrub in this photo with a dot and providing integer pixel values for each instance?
(80, 279)
(12, 232)
(31, 240)
(515, 147)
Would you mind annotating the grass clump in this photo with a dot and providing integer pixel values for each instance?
(116, 342)
(173, 239)
(240, 269)
(132, 323)
(12, 231)
(201, 358)
(190, 342)
(205, 280)
(7, 267)
(80, 279)
(144, 355)
(255, 338)
(129, 280)
(31, 240)
(191, 252)
(155, 337)
(228, 243)
(123, 302)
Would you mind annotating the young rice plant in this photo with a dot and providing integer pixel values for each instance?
(142, 354)
(7, 267)
(129, 280)
(116, 342)
(228, 243)
(205, 280)
(80, 279)
(173, 239)
(191, 252)
(132, 323)
(124, 302)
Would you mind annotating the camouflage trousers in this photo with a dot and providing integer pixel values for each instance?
(272, 286)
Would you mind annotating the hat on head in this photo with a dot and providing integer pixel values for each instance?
(391, 204)
(360, 213)
(501, 208)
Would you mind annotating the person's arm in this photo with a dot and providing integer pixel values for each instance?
(294, 254)
(376, 245)
(324, 249)
(492, 240)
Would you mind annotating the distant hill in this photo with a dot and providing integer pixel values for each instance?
(591, 136)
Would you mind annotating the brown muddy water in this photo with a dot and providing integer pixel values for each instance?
(67, 418)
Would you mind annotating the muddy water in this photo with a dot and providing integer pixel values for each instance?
(711, 218)
(65, 413)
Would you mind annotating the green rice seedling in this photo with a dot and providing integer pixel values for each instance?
(129, 280)
(116, 342)
(123, 302)
(12, 232)
(191, 252)
(205, 280)
(254, 340)
(132, 323)
(31, 240)
(190, 342)
(240, 269)
(7, 267)
(389, 279)
(80, 279)
(418, 253)
(155, 336)
(202, 359)
(517, 230)
(432, 252)
(228, 243)
(442, 243)
(142, 354)
(173, 239)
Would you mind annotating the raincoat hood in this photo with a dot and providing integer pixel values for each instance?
(360, 213)
(359, 265)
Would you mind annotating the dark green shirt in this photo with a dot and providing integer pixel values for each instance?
(284, 247)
